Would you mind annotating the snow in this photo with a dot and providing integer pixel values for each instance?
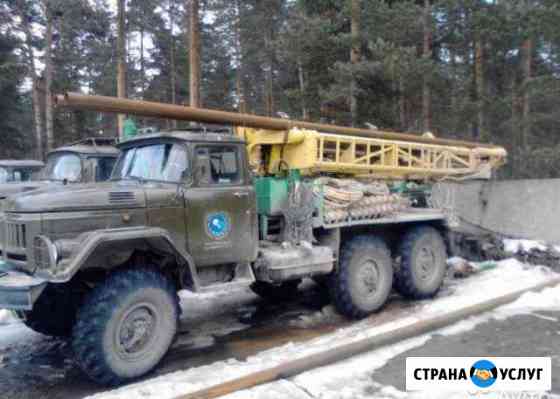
(342, 380)
(16, 333)
(515, 246)
(6, 317)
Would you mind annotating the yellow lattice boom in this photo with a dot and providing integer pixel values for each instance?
(314, 152)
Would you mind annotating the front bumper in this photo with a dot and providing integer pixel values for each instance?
(19, 291)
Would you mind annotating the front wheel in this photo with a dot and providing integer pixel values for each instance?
(363, 280)
(125, 326)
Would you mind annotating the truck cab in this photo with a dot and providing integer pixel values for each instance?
(84, 161)
(12, 171)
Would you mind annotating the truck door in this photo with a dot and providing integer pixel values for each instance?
(221, 206)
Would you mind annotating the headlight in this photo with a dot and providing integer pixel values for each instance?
(65, 248)
(44, 252)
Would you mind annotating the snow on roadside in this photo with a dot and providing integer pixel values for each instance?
(509, 276)
(352, 378)
(7, 317)
(515, 246)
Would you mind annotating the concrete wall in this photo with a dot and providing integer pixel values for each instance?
(517, 208)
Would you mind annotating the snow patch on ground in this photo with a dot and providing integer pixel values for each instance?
(352, 378)
(7, 317)
(509, 276)
(515, 246)
(11, 334)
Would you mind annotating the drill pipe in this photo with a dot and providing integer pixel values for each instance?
(201, 115)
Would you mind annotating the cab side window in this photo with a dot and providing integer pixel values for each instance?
(21, 175)
(218, 165)
(104, 168)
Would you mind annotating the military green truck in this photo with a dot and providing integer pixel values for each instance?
(15, 171)
(205, 209)
(84, 161)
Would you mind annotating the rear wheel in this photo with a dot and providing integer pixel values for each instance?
(278, 292)
(126, 326)
(363, 281)
(423, 263)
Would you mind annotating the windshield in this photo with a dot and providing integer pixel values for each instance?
(4, 175)
(160, 162)
(64, 167)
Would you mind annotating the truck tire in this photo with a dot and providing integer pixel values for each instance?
(53, 314)
(125, 326)
(423, 263)
(363, 280)
(276, 292)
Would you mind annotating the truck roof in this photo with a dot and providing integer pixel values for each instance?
(212, 135)
(91, 146)
(88, 150)
(21, 163)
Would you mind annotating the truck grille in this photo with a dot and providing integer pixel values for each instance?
(15, 236)
(122, 198)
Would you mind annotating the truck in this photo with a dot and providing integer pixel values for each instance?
(14, 171)
(208, 208)
(83, 161)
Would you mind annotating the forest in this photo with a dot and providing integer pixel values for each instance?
(482, 70)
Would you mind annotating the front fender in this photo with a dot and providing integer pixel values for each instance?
(155, 237)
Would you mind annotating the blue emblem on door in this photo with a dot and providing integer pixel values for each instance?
(218, 225)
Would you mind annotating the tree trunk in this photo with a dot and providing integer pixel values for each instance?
(355, 53)
(121, 60)
(427, 55)
(402, 102)
(49, 76)
(454, 105)
(480, 87)
(301, 76)
(269, 79)
(142, 64)
(172, 59)
(194, 46)
(31, 66)
(239, 76)
(527, 66)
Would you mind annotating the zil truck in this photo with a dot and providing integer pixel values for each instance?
(261, 204)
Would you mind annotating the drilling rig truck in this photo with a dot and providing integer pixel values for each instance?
(262, 203)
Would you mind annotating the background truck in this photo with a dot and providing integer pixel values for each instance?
(209, 208)
(84, 161)
(15, 171)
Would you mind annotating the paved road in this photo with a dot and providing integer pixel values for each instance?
(523, 335)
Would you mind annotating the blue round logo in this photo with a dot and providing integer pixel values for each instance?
(483, 373)
(218, 225)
